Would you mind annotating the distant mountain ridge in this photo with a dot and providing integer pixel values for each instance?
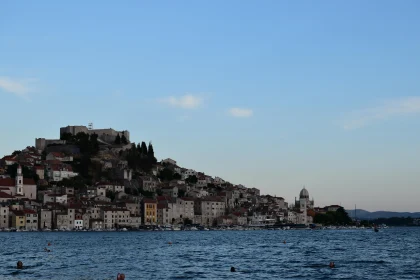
(366, 215)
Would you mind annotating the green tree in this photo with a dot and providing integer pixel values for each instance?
(110, 194)
(124, 139)
(181, 193)
(17, 152)
(192, 179)
(67, 136)
(26, 172)
(117, 139)
(166, 174)
(143, 149)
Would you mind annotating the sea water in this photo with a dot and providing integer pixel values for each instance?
(392, 253)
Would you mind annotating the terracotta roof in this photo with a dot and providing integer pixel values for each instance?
(213, 198)
(9, 158)
(9, 182)
(27, 181)
(29, 211)
(162, 206)
(5, 195)
(18, 212)
(148, 200)
(39, 167)
(57, 154)
(53, 161)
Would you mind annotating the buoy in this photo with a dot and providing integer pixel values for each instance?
(121, 276)
(284, 241)
(332, 265)
(49, 244)
(170, 243)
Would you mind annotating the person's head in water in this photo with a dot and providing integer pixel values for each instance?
(19, 265)
(232, 269)
(121, 276)
(332, 265)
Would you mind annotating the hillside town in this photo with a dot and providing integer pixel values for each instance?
(96, 179)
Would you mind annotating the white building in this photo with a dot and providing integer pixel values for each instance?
(210, 208)
(187, 173)
(218, 180)
(31, 219)
(19, 186)
(58, 198)
(4, 216)
(59, 172)
(58, 156)
(148, 183)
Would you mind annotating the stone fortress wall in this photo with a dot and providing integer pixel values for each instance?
(107, 135)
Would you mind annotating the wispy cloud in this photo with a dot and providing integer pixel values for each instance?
(20, 88)
(187, 101)
(241, 112)
(386, 110)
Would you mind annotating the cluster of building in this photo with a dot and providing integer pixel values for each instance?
(191, 197)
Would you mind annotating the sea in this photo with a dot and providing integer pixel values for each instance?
(392, 253)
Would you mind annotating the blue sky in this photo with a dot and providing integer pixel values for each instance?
(270, 94)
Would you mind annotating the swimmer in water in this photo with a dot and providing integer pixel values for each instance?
(232, 269)
(332, 265)
(47, 250)
(121, 276)
(19, 265)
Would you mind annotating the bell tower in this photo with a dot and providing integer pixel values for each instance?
(19, 181)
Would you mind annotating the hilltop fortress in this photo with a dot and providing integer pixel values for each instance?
(106, 135)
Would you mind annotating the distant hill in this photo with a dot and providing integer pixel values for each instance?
(366, 215)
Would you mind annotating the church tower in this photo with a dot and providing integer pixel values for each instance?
(19, 181)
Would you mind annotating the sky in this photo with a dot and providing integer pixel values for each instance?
(275, 95)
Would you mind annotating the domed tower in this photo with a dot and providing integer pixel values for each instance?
(303, 199)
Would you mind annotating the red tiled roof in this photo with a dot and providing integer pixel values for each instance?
(162, 206)
(53, 161)
(29, 211)
(148, 200)
(9, 158)
(160, 198)
(57, 154)
(5, 195)
(7, 182)
(213, 198)
(18, 212)
(27, 181)
(39, 167)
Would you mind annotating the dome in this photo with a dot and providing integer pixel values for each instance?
(304, 193)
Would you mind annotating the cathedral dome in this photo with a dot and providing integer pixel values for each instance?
(304, 193)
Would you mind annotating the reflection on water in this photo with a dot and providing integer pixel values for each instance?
(358, 254)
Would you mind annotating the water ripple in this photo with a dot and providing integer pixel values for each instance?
(358, 254)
